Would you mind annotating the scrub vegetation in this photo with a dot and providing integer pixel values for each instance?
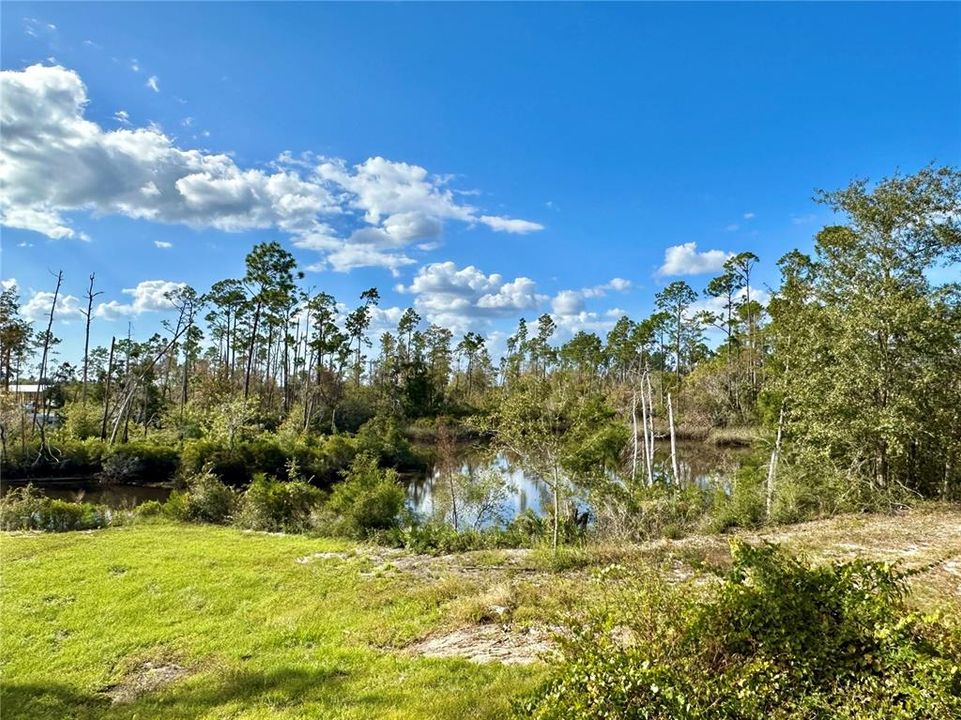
(287, 576)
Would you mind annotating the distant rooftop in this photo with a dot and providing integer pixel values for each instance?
(27, 388)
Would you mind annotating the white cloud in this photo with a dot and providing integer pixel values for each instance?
(748, 216)
(571, 316)
(467, 298)
(571, 302)
(38, 307)
(122, 117)
(134, 65)
(511, 225)
(163, 244)
(732, 227)
(588, 321)
(568, 302)
(147, 296)
(153, 82)
(8, 283)
(716, 304)
(54, 161)
(686, 260)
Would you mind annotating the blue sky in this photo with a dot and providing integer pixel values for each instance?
(481, 162)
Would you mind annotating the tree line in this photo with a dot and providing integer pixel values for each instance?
(850, 373)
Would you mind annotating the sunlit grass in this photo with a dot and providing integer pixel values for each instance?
(259, 634)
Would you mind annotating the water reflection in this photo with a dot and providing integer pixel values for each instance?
(113, 496)
(707, 466)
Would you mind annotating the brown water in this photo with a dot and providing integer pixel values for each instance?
(91, 491)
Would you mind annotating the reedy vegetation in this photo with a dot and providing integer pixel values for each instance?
(852, 373)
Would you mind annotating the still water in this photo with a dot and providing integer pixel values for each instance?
(427, 494)
(91, 491)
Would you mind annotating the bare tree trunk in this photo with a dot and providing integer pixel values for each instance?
(634, 428)
(23, 415)
(250, 351)
(772, 466)
(557, 510)
(41, 395)
(650, 423)
(86, 338)
(645, 417)
(131, 385)
(670, 422)
(106, 392)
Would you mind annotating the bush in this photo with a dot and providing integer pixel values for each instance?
(207, 499)
(82, 421)
(26, 509)
(382, 438)
(323, 459)
(778, 639)
(149, 508)
(744, 506)
(138, 462)
(441, 538)
(275, 506)
(369, 499)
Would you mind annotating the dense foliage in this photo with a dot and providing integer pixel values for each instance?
(777, 639)
(847, 380)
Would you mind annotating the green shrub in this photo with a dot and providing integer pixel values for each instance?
(369, 499)
(149, 508)
(776, 639)
(176, 505)
(744, 506)
(82, 421)
(383, 438)
(323, 459)
(138, 462)
(208, 499)
(273, 506)
(26, 509)
(441, 538)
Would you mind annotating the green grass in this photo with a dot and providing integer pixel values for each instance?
(259, 634)
(263, 636)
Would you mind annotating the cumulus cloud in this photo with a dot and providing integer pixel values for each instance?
(467, 298)
(147, 296)
(8, 283)
(568, 302)
(38, 307)
(54, 161)
(571, 302)
(686, 260)
(570, 314)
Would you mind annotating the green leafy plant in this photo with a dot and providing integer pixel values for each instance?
(777, 639)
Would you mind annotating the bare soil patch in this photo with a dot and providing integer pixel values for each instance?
(487, 643)
(145, 678)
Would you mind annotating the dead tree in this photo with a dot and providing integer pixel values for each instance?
(41, 395)
(86, 338)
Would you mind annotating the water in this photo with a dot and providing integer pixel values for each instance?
(91, 491)
(428, 495)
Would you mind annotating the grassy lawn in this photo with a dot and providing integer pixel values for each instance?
(197, 621)
(256, 633)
